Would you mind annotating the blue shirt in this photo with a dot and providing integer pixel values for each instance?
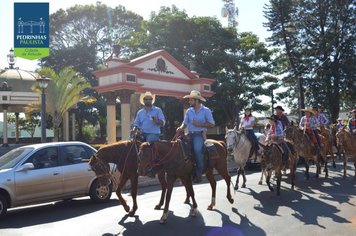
(312, 124)
(323, 120)
(203, 115)
(143, 120)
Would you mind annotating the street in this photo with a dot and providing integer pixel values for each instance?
(316, 207)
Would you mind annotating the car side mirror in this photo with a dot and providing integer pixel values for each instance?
(25, 167)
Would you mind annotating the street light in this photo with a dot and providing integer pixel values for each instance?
(43, 83)
(11, 59)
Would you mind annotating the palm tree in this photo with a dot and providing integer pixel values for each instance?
(63, 92)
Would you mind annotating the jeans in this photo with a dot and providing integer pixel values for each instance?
(254, 137)
(151, 137)
(198, 144)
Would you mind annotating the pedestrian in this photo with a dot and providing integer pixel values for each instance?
(247, 123)
(281, 116)
(149, 119)
(198, 118)
(351, 124)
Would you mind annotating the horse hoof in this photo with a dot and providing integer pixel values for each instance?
(210, 208)
(187, 201)
(236, 187)
(260, 182)
(243, 186)
(271, 189)
(193, 212)
(231, 200)
(131, 213)
(157, 207)
(127, 208)
(334, 166)
(164, 217)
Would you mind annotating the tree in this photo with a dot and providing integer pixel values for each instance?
(237, 61)
(319, 48)
(83, 37)
(64, 91)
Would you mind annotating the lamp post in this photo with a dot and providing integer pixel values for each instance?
(43, 83)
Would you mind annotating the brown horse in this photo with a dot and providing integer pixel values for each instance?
(329, 143)
(272, 159)
(170, 156)
(348, 142)
(124, 155)
(306, 149)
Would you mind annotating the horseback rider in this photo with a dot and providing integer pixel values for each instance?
(276, 135)
(321, 117)
(339, 124)
(352, 122)
(310, 124)
(247, 122)
(281, 116)
(198, 118)
(149, 118)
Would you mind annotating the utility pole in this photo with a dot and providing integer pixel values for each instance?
(230, 11)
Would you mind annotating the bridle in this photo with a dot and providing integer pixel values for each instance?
(237, 138)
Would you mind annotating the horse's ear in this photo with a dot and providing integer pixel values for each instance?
(226, 129)
(235, 128)
(292, 123)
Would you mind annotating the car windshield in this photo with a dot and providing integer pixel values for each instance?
(10, 159)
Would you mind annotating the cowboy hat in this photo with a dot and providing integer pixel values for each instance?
(279, 107)
(147, 95)
(273, 117)
(195, 95)
(339, 118)
(309, 109)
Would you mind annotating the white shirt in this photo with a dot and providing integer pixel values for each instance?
(245, 123)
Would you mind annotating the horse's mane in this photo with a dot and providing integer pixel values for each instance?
(114, 145)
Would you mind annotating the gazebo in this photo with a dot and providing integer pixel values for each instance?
(15, 93)
(157, 72)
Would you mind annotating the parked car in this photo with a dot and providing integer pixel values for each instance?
(48, 172)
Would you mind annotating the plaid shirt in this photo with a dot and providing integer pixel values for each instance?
(277, 130)
(309, 123)
(352, 124)
(323, 120)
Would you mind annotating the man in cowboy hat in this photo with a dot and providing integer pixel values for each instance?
(276, 135)
(282, 117)
(198, 119)
(150, 118)
(309, 124)
(351, 124)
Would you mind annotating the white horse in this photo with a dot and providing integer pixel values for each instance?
(239, 145)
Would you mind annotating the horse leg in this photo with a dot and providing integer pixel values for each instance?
(332, 156)
(306, 169)
(170, 183)
(326, 168)
(293, 170)
(318, 168)
(237, 178)
(184, 182)
(268, 180)
(224, 173)
(279, 178)
(163, 183)
(121, 184)
(355, 165)
(345, 163)
(190, 191)
(134, 183)
(210, 177)
(244, 177)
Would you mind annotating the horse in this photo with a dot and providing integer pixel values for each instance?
(329, 143)
(348, 141)
(238, 143)
(339, 148)
(272, 158)
(171, 157)
(124, 155)
(304, 148)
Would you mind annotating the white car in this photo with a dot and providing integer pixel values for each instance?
(48, 172)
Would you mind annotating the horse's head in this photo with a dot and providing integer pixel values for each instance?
(343, 137)
(291, 132)
(101, 169)
(231, 139)
(145, 158)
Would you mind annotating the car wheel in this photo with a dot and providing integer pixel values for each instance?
(100, 193)
(3, 206)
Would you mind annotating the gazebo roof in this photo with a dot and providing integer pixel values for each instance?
(17, 74)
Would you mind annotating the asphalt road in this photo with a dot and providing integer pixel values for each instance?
(316, 207)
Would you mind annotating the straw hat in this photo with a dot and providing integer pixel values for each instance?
(339, 118)
(308, 109)
(195, 95)
(147, 95)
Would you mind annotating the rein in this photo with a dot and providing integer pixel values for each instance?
(162, 160)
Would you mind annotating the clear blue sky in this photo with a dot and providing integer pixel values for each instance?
(250, 16)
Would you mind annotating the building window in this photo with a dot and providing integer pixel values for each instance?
(131, 78)
(206, 87)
